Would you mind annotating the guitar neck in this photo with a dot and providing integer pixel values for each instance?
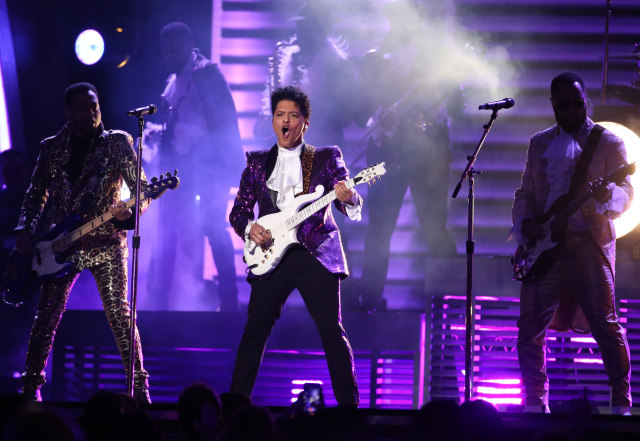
(68, 239)
(310, 209)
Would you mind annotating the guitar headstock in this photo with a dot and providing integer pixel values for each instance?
(159, 185)
(370, 174)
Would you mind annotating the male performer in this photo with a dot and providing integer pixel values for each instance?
(408, 100)
(80, 171)
(579, 284)
(201, 139)
(315, 267)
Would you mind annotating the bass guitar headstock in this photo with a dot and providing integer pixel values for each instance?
(159, 185)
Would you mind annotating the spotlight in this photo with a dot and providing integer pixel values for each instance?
(630, 218)
(89, 46)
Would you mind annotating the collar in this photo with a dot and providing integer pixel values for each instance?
(284, 152)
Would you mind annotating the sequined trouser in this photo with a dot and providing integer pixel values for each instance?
(582, 270)
(111, 278)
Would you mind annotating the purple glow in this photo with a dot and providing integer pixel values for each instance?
(202, 350)
(306, 381)
(588, 360)
(5, 140)
(422, 349)
(499, 390)
(583, 340)
(501, 400)
(507, 381)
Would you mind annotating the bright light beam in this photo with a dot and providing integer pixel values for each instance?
(630, 218)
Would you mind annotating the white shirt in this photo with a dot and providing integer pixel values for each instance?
(286, 180)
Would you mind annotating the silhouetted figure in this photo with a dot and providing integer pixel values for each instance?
(250, 423)
(232, 401)
(15, 323)
(407, 102)
(104, 413)
(201, 139)
(200, 412)
(438, 420)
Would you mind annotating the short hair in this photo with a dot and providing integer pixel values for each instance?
(567, 79)
(191, 401)
(177, 30)
(76, 88)
(291, 93)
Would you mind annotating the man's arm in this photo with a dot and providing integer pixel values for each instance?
(242, 211)
(127, 159)
(351, 207)
(523, 211)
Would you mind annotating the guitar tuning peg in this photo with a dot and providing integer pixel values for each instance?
(154, 179)
(175, 172)
(167, 174)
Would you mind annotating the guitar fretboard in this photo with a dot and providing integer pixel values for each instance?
(306, 212)
(67, 240)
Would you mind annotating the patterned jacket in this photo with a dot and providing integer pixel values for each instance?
(530, 198)
(110, 160)
(319, 234)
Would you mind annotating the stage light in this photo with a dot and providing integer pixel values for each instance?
(89, 47)
(630, 218)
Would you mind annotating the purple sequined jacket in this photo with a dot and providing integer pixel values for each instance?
(319, 234)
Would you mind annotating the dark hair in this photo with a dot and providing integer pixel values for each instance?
(76, 88)
(191, 401)
(291, 93)
(13, 154)
(178, 30)
(567, 79)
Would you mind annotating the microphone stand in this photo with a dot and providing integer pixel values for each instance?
(134, 267)
(470, 172)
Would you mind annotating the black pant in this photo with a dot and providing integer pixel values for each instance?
(320, 290)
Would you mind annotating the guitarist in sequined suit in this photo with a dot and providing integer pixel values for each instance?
(80, 171)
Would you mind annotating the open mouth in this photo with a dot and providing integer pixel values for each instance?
(285, 130)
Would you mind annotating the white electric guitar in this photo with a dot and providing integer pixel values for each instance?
(283, 226)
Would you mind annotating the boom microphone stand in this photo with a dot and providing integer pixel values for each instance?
(470, 172)
(139, 112)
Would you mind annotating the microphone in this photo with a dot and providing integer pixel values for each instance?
(146, 110)
(504, 103)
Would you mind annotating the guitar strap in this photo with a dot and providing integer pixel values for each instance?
(579, 175)
(307, 164)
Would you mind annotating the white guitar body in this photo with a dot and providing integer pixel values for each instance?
(45, 261)
(263, 259)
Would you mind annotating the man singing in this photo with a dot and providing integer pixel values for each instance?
(315, 267)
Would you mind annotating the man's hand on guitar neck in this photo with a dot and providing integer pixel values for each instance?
(344, 194)
(602, 193)
(259, 235)
(120, 211)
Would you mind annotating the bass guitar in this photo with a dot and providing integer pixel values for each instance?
(283, 226)
(532, 260)
(49, 260)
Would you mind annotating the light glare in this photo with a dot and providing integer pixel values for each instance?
(89, 47)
